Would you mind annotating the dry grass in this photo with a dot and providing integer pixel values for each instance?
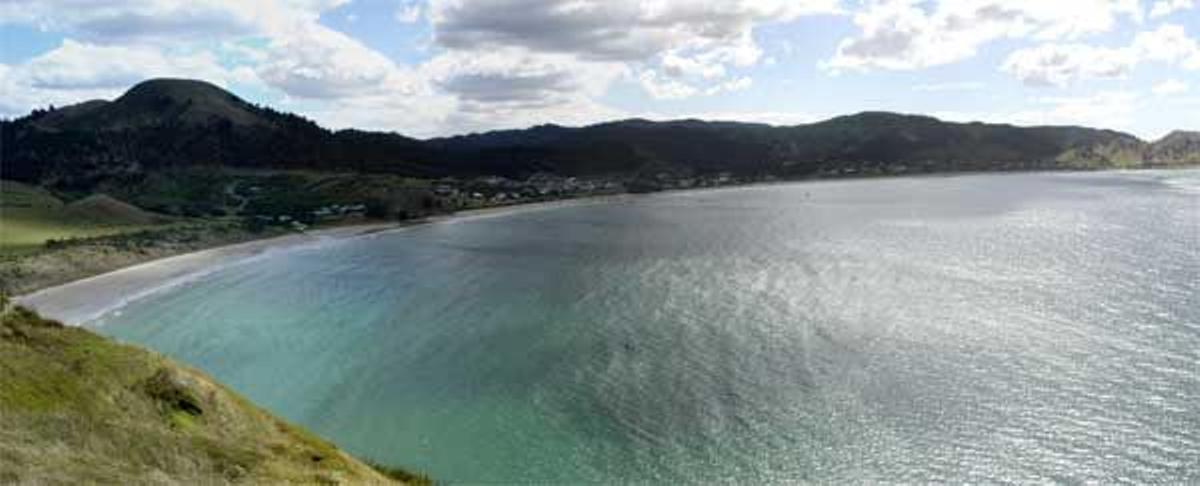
(75, 259)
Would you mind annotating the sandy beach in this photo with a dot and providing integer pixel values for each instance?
(77, 303)
(80, 301)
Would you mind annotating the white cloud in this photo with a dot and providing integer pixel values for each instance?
(276, 44)
(518, 77)
(1060, 65)
(420, 113)
(1163, 8)
(945, 87)
(509, 87)
(1113, 109)
(298, 48)
(914, 34)
(123, 21)
(161, 21)
(681, 48)
(676, 65)
(311, 61)
(79, 66)
(777, 118)
(624, 30)
(508, 63)
(1107, 109)
(580, 111)
(77, 71)
(1170, 44)
(1170, 87)
(665, 88)
(739, 84)
(501, 61)
(409, 12)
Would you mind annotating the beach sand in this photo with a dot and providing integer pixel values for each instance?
(79, 302)
(83, 300)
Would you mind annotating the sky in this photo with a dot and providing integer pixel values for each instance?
(429, 68)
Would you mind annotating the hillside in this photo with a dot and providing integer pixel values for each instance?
(1176, 147)
(166, 123)
(31, 216)
(102, 207)
(156, 103)
(77, 408)
(169, 123)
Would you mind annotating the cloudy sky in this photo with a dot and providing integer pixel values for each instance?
(436, 67)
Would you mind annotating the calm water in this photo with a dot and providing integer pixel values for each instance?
(1034, 327)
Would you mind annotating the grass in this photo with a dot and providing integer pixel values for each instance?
(403, 475)
(44, 242)
(31, 216)
(72, 259)
(77, 408)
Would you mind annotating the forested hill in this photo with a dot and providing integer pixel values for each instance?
(173, 122)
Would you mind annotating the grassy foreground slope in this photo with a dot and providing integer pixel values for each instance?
(77, 408)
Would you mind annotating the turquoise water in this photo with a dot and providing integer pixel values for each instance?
(1032, 327)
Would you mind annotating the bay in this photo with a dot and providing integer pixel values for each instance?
(1017, 327)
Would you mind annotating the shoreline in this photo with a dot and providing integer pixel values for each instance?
(79, 302)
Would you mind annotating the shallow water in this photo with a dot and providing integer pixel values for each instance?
(1032, 327)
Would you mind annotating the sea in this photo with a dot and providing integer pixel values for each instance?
(1012, 328)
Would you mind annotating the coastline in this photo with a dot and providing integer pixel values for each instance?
(80, 301)
(77, 302)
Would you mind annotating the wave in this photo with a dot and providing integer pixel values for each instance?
(1183, 180)
(89, 301)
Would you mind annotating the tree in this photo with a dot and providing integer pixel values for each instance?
(377, 209)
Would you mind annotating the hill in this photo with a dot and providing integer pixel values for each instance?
(76, 408)
(156, 103)
(1176, 147)
(31, 216)
(167, 123)
(864, 142)
(101, 207)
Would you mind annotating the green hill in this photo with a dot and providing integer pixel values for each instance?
(30, 216)
(77, 408)
(155, 103)
(111, 211)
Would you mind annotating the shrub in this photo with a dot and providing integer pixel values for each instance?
(400, 474)
(377, 208)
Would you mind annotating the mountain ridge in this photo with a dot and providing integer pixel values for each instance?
(179, 122)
